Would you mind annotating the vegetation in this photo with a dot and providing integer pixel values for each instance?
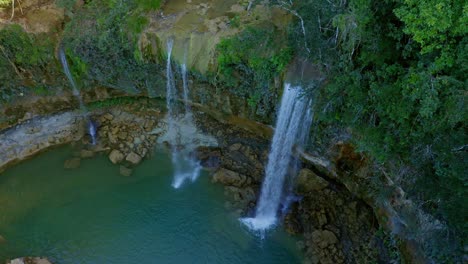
(5, 3)
(26, 60)
(249, 61)
(105, 51)
(397, 77)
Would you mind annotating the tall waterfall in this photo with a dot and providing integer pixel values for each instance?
(91, 125)
(180, 127)
(291, 128)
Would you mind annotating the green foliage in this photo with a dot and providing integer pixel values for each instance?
(249, 61)
(235, 21)
(67, 4)
(397, 78)
(25, 59)
(102, 43)
(5, 3)
(148, 5)
(23, 48)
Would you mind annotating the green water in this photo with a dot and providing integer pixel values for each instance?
(94, 215)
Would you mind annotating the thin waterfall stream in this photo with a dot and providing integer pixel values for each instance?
(92, 130)
(291, 129)
(180, 126)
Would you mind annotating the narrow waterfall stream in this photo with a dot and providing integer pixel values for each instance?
(290, 130)
(91, 125)
(180, 126)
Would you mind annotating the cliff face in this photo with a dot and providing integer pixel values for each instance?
(198, 26)
(35, 16)
(337, 212)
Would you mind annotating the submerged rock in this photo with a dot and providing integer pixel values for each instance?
(116, 156)
(124, 171)
(72, 163)
(86, 154)
(2, 239)
(29, 260)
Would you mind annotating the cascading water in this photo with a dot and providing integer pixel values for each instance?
(186, 167)
(91, 126)
(290, 129)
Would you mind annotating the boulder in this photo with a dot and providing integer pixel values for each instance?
(124, 171)
(323, 238)
(72, 163)
(116, 156)
(133, 158)
(308, 181)
(229, 178)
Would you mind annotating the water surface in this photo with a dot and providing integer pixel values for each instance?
(94, 215)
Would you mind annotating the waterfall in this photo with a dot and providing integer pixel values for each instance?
(185, 86)
(91, 125)
(291, 128)
(180, 127)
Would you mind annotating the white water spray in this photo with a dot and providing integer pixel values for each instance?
(290, 129)
(186, 167)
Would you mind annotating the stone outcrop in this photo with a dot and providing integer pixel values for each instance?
(199, 27)
(230, 178)
(308, 181)
(35, 16)
(39, 133)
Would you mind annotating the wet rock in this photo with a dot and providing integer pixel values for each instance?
(116, 156)
(72, 163)
(30, 260)
(133, 158)
(124, 171)
(229, 178)
(308, 181)
(324, 238)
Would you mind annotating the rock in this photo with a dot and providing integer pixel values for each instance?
(86, 154)
(30, 260)
(229, 178)
(235, 147)
(133, 158)
(116, 156)
(124, 171)
(108, 116)
(72, 163)
(308, 181)
(323, 238)
(2, 239)
(122, 135)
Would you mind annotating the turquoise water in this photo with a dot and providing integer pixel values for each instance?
(94, 215)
